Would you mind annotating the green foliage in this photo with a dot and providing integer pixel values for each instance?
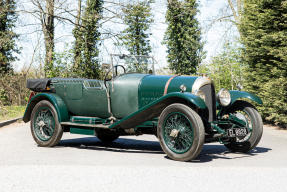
(8, 46)
(138, 18)
(62, 64)
(264, 35)
(87, 37)
(226, 69)
(183, 36)
(3, 97)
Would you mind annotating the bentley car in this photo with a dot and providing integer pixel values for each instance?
(183, 112)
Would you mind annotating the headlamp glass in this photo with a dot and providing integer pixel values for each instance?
(224, 97)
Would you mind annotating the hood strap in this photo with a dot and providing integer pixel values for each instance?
(167, 84)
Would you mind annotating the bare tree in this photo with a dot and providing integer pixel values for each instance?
(46, 13)
(236, 8)
(229, 14)
(77, 39)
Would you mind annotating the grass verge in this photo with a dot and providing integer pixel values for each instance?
(11, 112)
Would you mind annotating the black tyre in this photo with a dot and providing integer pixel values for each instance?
(247, 112)
(45, 127)
(107, 136)
(181, 132)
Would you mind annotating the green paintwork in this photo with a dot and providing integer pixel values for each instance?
(86, 120)
(124, 94)
(152, 123)
(131, 92)
(45, 132)
(237, 121)
(83, 97)
(152, 87)
(183, 141)
(175, 84)
(188, 97)
(215, 127)
(83, 131)
(56, 100)
(235, 95)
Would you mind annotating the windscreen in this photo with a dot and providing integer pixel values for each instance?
(133, 63)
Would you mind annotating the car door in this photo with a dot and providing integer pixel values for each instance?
(94, 99)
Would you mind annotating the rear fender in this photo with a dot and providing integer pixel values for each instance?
(155, 108)
(58, 103)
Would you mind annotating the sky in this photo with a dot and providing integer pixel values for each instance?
(213, 35)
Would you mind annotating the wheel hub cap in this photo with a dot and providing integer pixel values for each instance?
(41, 124)
(174, 133)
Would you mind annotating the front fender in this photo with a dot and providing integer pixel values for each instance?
(155, 108)
(235, 95)
(58, 103)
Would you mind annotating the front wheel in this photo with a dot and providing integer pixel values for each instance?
(246, 112)
(45, 127)
(180, 132)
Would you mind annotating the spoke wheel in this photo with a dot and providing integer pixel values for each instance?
(246, 117)
(246, 112)
(45, 128)
(44, 124)
(180, 132)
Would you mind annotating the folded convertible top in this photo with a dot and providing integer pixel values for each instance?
(38, 85)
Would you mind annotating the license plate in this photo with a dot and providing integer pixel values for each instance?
(237, 132)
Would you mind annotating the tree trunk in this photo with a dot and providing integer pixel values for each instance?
(236, 13)
(77, 52)
(48, 28)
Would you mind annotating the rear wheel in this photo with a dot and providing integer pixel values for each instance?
(45, 127)
(107, 136)
(246, 112)
(180, 132)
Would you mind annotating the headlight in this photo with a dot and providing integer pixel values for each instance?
(200, 94)
(224, 97)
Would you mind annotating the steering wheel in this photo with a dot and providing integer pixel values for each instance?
(106, 75)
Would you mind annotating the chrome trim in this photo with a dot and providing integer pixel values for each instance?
(199, 82)
(182, 88)
(218, 97)
(86, 125)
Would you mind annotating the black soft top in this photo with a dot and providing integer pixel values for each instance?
(38, 85)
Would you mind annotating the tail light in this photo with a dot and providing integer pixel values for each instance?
(31, 95)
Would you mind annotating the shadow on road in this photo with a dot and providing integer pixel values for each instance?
(124, 145)
(119, 145)
(217, 151)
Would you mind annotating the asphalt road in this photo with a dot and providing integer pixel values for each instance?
(81, 163)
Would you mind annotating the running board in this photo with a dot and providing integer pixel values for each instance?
(86, 125)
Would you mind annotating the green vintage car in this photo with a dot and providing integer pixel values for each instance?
(183, 112)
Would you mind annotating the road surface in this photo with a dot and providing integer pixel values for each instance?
(82, 163)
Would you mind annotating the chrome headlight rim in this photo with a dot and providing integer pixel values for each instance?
(224, 97)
